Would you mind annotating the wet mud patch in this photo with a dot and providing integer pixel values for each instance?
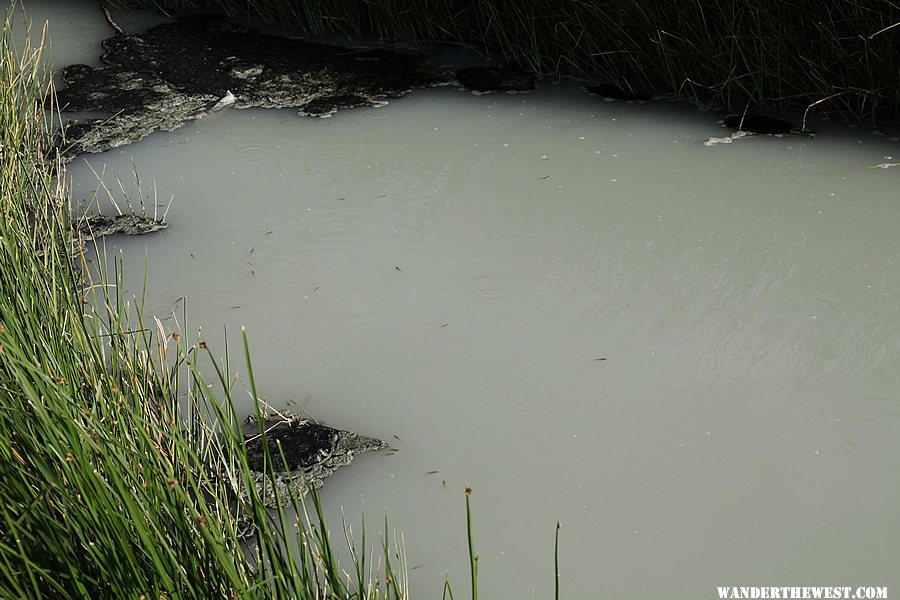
(179, 71)
(509, 78)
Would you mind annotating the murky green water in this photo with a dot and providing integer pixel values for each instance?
(449, 268)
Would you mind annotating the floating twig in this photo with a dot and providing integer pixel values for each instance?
(109, 19)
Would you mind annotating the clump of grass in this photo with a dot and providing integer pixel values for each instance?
(123, 473)
(764, 55)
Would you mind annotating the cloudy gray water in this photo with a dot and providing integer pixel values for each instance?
(446, 271)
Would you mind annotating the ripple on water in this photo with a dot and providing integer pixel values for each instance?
(489, 287)
(815, 308)
(499, 243)
(791, 213)
(487, 247)
(361, 247)
(252, 154)
(889, 197)
(373, 112)
(870, 424)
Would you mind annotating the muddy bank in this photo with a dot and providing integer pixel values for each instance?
(179, 71)
(175, 72)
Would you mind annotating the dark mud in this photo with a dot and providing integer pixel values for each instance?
(497, 79)
(179, 71)
(761, 124)
(303, 454)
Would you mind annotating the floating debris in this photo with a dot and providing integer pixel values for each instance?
(227, 100)
(727, 139)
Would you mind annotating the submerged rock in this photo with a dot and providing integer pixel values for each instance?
(497, 79)
(178, 71)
